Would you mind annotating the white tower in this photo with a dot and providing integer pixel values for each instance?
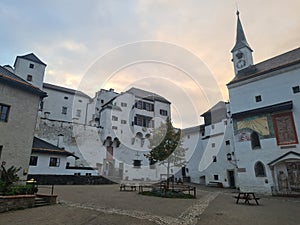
(241, 52)
(30, 68)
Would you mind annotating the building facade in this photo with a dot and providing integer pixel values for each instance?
(265, 108)
(19, 106)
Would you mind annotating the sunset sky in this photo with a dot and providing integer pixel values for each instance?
(178, 49)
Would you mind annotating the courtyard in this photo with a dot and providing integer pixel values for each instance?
(107, 205)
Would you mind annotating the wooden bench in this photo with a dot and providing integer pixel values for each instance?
(128, 187)
(247, 197)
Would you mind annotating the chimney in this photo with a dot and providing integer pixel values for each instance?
(60, 141)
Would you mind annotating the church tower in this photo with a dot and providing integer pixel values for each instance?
(241, 52)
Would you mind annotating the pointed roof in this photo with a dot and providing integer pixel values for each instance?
(31, 57)
(240, 36)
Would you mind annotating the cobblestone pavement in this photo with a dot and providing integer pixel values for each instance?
(107, 205)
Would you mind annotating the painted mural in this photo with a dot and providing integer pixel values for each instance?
(245, 126)
(293, 169)
(285, 128)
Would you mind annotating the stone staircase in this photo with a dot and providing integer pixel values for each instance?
(38, 202)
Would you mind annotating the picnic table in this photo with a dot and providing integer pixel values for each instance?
(247, 197)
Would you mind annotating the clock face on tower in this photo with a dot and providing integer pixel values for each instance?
(241, 63)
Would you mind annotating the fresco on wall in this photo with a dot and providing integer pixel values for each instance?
(245, 126)
(293, 169)
(285, 128)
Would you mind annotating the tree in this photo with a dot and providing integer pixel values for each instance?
(166, 147)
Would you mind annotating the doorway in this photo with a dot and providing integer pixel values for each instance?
(231, 178)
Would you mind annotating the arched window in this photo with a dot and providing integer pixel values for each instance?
(259, 169)
(255, 142)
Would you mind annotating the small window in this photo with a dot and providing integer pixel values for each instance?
(64, 110)
(259, 169)
(123, 104)
(78, 112)
(296, 89)
(214, 158)
(137, 163)
(227, 142)
(54, 162)
(258, 98)
(31, 66)
(77, 174)
(66, 97)
(114, 127)
(163, 112)
(216, 177)
(212, 126)
(29, 77)
(1, 147)
(4, 112)
(123, 121)
(88, 174)
(188, 136)
(33, 160)
(102, 101)
(114, 118)
(79, 100)
(213, 145)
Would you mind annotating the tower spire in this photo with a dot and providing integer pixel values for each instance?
(240, 36)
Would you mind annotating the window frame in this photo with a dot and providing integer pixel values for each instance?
(33, 162)
(4, 116)
(64, 110)
(53, 163)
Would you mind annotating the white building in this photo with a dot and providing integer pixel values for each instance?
(265, 107)
(48, 159)
(65, 104)
(30, 68)
(209, 148)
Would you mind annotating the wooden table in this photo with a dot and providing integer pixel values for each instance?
(247, 197)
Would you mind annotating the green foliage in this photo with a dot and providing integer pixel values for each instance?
(166, 145)
(7, 180)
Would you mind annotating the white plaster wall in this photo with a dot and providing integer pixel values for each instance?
(22, 70)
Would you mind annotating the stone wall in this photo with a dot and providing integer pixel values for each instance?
(16, 202)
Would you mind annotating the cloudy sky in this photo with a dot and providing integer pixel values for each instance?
(178, 49)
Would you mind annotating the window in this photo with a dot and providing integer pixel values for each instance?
(213, 145)
(114, 127)
(77, 174)
(259, 169)
(4, 111)
(255, 142)
(123, 104)
(79, 100)
(66, 97)
(54, 162)
(258, 98)
(296, 89)
(29, 77)
(137, 163)
(143, 121)
(227, 142)
(163, 112)
(123, 121)
(31, 66)
(114, 118)
(144, 105)
(1, 147)
(216, 177)
(214, 158)
(88, 174)
(64, 110)
(33, 160)
(102, 101)
(212, 126)
(78, 112)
